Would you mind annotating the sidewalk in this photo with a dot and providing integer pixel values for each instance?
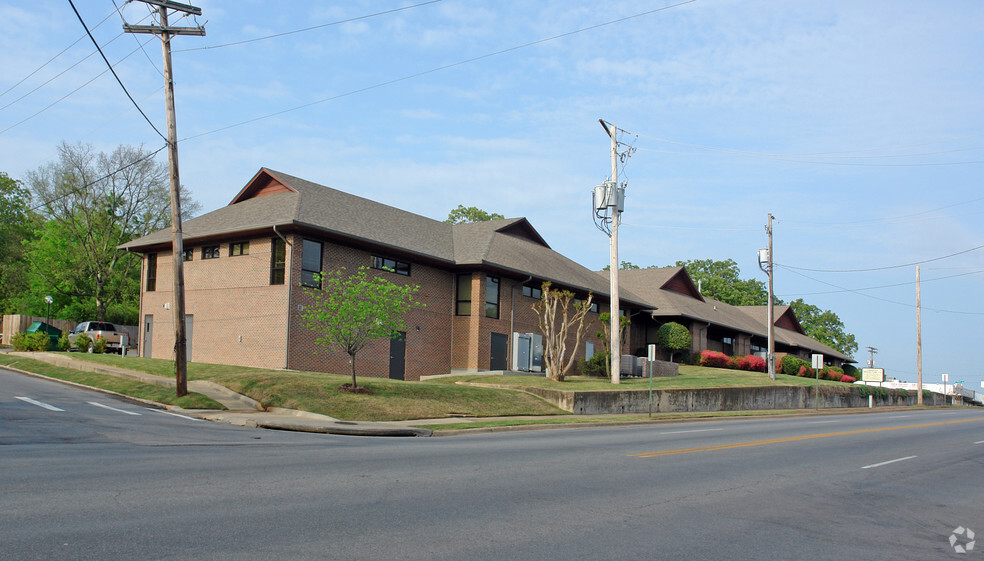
(240, 409)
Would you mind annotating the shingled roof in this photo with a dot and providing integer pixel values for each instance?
(274, 199)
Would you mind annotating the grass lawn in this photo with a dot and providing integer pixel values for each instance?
(316, 392)
(123, 386)
(392, 399)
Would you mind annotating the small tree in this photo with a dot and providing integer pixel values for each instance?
(673, 337)
(463, 215)
(558, 314)
(349, 312)
(606, 337)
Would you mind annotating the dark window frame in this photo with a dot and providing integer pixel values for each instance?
(391, 265)
(308, 277)
(151, 280)
(492, 306)
(188, 255)
(211, 252)
(533, 292)
(278, 267)
(238, 248)
(462, 305)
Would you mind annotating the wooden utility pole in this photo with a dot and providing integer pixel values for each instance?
(616, 328)
(772, 327)
(166, 33)
(919, 396)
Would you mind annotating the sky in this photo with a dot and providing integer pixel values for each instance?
(858, 125)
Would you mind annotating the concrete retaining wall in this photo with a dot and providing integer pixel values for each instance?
(715, 399)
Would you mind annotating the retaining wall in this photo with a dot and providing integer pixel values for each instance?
(716, 399)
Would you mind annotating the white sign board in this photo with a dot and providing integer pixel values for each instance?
(817, 362)
(873, 374)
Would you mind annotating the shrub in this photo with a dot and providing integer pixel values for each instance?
(19, 341)
(63, 343)
(99, 345)
(756, 363)
(791, 365)
(38, 341)
(850, 370)
(805, 371)
(596, 365)
(848, 379)
(714, 359)
(83, 342)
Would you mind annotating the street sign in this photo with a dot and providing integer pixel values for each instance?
(872, 374)
(817, 362)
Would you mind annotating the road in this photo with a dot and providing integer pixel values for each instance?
(94, 482)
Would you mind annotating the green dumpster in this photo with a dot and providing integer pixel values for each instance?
(53, 333)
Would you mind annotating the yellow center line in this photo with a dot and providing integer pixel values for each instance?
(790, 439)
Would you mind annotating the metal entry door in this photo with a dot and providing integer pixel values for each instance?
(398, 352)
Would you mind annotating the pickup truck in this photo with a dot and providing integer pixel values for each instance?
(115, 340)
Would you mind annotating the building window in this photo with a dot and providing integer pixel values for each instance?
(463, 303)
(593, 308)
(391, 265)
(278, 261)
(210, 252)
(310, 263)
(151, 272)
(188, 255)
(238, 248)
(533, 292)
(491, 297)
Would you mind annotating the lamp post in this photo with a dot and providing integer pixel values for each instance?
(47, 311)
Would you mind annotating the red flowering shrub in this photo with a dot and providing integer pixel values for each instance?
(714, 359)
(755, 363)
(740, 362)
(848, 379)
(806, 372)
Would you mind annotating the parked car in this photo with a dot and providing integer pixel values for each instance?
(116, 340)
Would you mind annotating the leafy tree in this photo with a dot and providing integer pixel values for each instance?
(463, 215)
(349, 312)
(17, 223)
(606, 337)
(824, 326)
(92, 203)
(720, 280)
(673, 337)
(558, 313)
(628, 266)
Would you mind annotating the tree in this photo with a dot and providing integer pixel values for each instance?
(606, 337)
(558, 314)
(92, 203)
(673, 337)
(628, 266)
(17, 224)
(463, 215)
(824, 326)
(349, 312)
(720, 280)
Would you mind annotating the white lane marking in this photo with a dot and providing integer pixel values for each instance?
(113, 408)
(888, 462)
(979, 442)
(172, 414)
(686, 431)
(38, 403)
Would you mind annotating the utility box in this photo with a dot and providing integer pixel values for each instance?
(527, 355)
(609, 195)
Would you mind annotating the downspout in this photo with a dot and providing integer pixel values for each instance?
(512, 318)
(290, 300)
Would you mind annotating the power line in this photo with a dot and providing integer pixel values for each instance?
(883, 299)
(120, 82)
(791, 268)
(883, 286)
(438, 69)
(275, 35)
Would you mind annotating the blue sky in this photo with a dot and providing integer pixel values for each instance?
(859, 125)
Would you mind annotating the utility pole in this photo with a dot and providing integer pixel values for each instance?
(772, 321)
(919, 396)
(765, 263)
(871, 356)
(166, 33)
(616, 346)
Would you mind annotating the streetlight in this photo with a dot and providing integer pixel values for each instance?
(47, 311)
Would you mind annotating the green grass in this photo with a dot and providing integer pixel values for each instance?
(392, 400)
(123, 386)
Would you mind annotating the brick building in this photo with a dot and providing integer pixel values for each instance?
(244, 265)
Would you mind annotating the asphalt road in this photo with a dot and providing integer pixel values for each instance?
(94, 482)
